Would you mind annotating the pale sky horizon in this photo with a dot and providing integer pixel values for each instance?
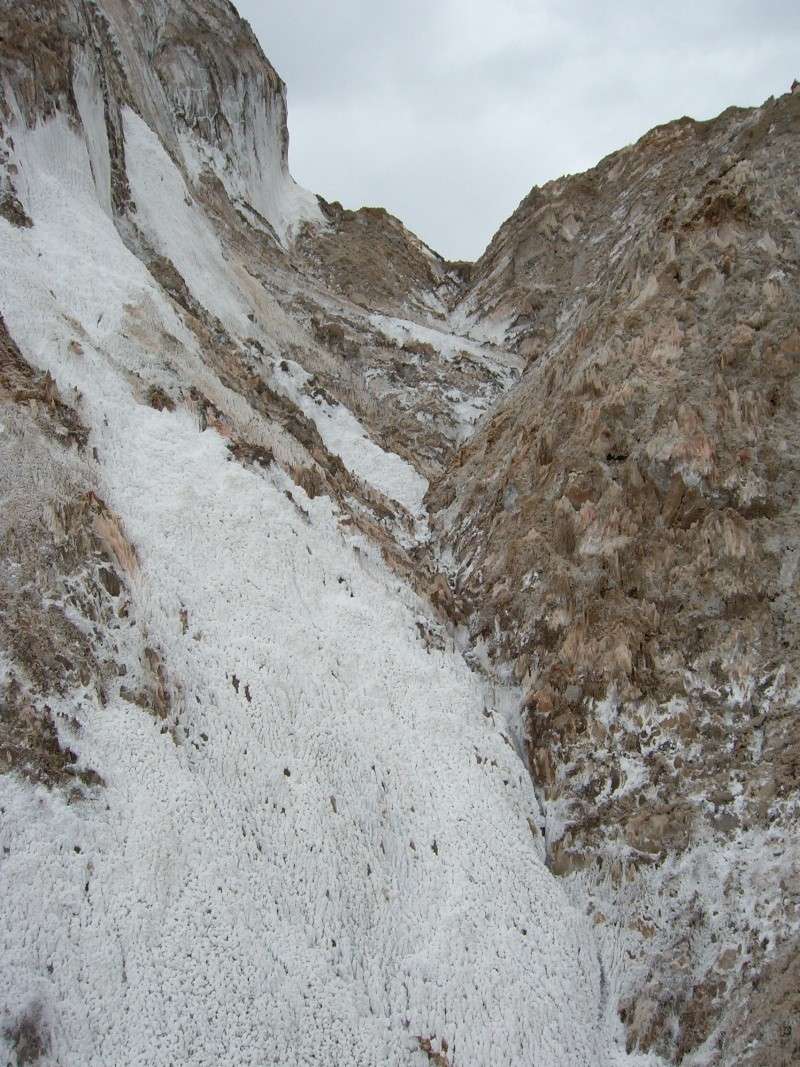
(447, 113)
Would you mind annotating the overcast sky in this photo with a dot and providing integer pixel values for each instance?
(446, 112)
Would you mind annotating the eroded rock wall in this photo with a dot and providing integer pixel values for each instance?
(624, 524)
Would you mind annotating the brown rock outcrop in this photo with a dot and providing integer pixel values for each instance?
(624, 521)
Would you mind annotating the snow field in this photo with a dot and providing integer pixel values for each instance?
(318, 869)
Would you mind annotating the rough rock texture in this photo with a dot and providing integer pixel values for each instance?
(625, 527)
(195, 74)
(238, 743)
(605, 408)
(369, 256)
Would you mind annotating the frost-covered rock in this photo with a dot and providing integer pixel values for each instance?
(255, 807)
(288, 772)
(623, 525)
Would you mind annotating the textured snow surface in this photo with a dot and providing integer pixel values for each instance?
(465, 320)
(503, 367)
(450, 344)
(320, 870)
(344, 435)
(257, 179)
(169, 218)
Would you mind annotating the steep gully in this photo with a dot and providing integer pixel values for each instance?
(269, 810)
(267, 814)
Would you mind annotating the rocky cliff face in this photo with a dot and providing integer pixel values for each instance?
(194, 73)
(624, 525)
(362, 614)
(239, 747)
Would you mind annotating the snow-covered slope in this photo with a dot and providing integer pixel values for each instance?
(257, 808)
(288, 768)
